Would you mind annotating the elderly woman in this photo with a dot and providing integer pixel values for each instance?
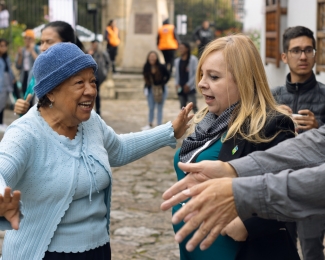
(241, 117)
(59, 156)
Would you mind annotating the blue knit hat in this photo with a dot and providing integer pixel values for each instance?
(58, 63)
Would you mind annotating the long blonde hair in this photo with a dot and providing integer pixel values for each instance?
(256, 103)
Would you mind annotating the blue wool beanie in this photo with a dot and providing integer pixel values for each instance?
(58, 63)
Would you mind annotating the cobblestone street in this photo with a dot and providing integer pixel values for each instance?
(139, 229)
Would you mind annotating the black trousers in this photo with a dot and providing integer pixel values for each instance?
(99, 253)
(1, 116)
(169, 59)
(98, 97)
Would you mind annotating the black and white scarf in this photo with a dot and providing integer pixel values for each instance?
(211, 126)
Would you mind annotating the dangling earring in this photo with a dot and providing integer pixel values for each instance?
(51, 105)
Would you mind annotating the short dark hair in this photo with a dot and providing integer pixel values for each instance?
(4, 40)
(295, 32)
(43, 102)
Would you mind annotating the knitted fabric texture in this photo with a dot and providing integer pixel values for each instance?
(210, 127)
(58, 63)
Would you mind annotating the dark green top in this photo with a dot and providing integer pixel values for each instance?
(224, 247)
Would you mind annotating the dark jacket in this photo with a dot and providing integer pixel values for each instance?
(102, 59)
(203, 35)
(308, 95)
(267, 239)
(161, 76)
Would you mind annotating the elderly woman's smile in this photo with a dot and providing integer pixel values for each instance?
(74, 98)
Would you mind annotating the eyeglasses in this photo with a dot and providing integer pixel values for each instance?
(309, 52)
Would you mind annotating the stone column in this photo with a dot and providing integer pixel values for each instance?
(146, 16)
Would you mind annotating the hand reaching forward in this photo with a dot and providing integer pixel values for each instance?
(180, 124)
(212, 208)
(9, 207)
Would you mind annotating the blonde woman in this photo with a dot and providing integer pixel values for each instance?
(241, 117)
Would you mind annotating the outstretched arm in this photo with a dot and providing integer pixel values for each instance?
(304, 151)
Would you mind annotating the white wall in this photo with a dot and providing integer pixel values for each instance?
(254, 13)
(298, 14)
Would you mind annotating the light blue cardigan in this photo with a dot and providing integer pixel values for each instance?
(44, 166)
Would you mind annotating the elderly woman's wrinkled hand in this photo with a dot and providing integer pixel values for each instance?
(214, 207)
(180, 124)
(236, 230)
(9, 207)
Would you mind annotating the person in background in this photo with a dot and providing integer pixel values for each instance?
(185, 70)
(52, 33)
(6, 80)
(202, 36)
(4, 16)
(113, 41)
(154, 73)
(59, 157)
(303, 97)
(241, 117)
(26, 57)
(103, 61)
(167, 42)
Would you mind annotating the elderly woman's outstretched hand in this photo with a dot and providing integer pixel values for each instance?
(180, 124)
(210, 210)
(9, 207)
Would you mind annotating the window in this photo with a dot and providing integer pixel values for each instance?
(320, 37)
(273, 12)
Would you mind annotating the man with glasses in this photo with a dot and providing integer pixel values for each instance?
(304, 98)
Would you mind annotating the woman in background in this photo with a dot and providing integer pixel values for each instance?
(185, 70)
(155, 73)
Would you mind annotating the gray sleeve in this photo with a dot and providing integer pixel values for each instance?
(176, 65)
(192, 72)
(286, 196)
(305, 150)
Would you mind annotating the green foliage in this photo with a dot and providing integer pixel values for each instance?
(13, 34)
(255, 36)
(218, 12)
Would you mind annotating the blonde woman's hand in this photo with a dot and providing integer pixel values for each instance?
(236, 230)
(180, 124)
(9, 207)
